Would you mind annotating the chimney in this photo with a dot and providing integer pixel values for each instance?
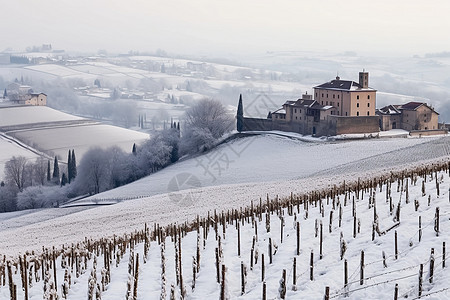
(364, 79)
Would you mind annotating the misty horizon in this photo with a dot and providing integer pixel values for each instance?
(229, 28)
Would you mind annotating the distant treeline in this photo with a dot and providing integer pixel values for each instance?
(19, 59)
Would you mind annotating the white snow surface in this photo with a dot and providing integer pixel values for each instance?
(262, 165)
(58, 140)
(279, 156)
(8, 148)
(20, 115)
(379, 281)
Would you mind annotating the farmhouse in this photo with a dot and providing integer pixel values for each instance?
(24, 95)
(409, 116)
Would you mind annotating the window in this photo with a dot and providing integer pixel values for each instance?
(296, 118)
(300, 111)
(338, 104)
(357, 97)
(338, 96)
(322, 94)
(300, 118)
(368, 113)
(327, 101)
(357, 104)
(327, 95)
(345, 113)
(295, 110)
(316, 94)
(357, 113)
(368, 104)
(368, 96)
(334, 96)
(322, 102)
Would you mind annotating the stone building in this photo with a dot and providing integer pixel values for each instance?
(339, 107)
(345, 107)
(409, 116)
(350, 99)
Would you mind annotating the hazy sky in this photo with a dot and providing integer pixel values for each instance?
(214, 27)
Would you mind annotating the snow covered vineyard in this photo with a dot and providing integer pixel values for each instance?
(381, 238)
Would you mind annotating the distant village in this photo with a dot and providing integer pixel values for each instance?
(347, 107)
(334, 108)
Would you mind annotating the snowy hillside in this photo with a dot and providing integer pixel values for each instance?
(52, 132)
(9, 148)
(269, 157)
(394, 249)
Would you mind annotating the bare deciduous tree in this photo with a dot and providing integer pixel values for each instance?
(15, 171)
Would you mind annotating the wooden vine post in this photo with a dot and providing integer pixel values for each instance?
(361, 270)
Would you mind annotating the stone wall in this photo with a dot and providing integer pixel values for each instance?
(253, 124)
(348, 125)
(334, 125)
(428, 132)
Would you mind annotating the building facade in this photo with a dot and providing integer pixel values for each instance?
(338, 107)
(350, 99)
(345, 107)
(410, 116)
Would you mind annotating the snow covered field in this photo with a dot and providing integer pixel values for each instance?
(379, 279)
(27, 115)
(9, 148)
(58, 140)
(34, 130)
(178, 196)
(267, 157)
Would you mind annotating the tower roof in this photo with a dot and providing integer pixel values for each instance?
(343, 85)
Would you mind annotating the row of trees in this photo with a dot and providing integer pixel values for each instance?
(27, 181)
(32, 185)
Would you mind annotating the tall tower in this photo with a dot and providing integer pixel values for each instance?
(364, 79)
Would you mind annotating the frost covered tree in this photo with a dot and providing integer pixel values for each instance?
(93, 172)
(15, 171)
(154, 154)
(40, 196)
(39, 170)
(205, 122)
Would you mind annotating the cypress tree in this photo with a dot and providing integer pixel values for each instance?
(134, 149)
(240, 115)
(63, 179)
(5, 94)
(48, 171)
(74, 165)
(69, 167)
(174, 153)
(56, 168)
